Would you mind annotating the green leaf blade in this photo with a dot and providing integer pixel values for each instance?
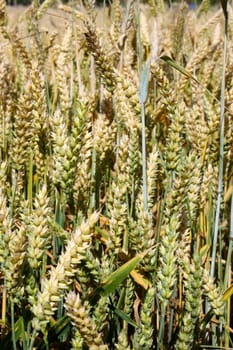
(118, 276)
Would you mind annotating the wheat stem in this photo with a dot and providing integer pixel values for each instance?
(221, 152)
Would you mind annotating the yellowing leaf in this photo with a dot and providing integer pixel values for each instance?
(139, 279)
(228, 193)
(228, 293)
(103, 234)
(204, 250)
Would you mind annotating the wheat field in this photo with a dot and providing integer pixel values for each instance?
(116, 176)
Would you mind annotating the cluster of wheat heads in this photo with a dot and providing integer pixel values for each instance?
(109, 178)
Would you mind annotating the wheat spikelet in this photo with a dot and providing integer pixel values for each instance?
(208, 24)
(160, 7)
(60, 150)
(212, 112)
(166, 98)
(116, 20)
(123, 342)
(142, 235)
(12, 250)
(209, 67)
(38, 233)
(93, 270)
(214, 295)
(165, 33)
(168, 261)
(126, 32)
(144, 30)
(81, 124)
(117, 196)
(77, 341)
(101, 314)
(7, 127)
(7, 75)
(143, 337)
(68, 9)
(134, 158)
(13, 265)
(192, 304)
(204, 7)
(79, 313)
(129, 296)
(7, 105)
(18, 181)
(178, 33)
(128, 86)
(67, 149)
(176, 197)
(44, 304)
(62, 62)
(84, 279)
(184, 248)
(197, 131)
(199, 55)
(104, 136)
(43, 8)
(206, 186)
(153, 9)
(38, 238)
(90, 6)
(174, 142)
(102, 61)
(3, 176)
(20, 51)
(126, 114)
(23, 132)
(193, 174)
(128, 20)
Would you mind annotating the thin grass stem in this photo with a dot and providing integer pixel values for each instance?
(13, 325)
(32, 340)
(230, 247)
(221, 155)
(161, 328)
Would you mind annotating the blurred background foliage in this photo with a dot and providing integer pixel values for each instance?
(101, 2)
